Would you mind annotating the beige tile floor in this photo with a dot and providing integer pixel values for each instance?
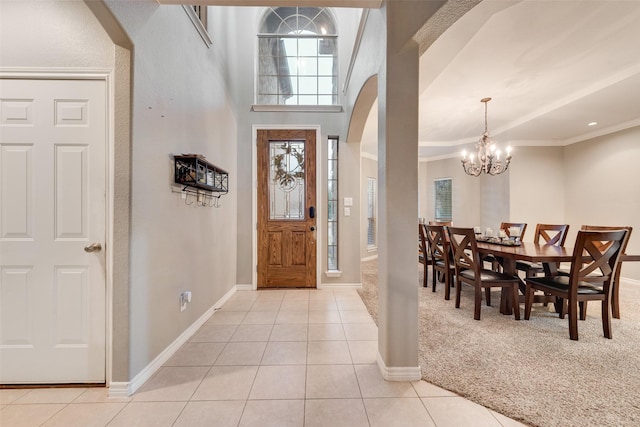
(300, 358)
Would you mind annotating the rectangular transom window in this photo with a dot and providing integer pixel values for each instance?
(297, 70)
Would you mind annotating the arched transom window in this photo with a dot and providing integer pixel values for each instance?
(297, 57)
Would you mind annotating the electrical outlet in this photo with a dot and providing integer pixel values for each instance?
(184, 300)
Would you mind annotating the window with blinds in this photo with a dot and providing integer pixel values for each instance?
(442, 194)
(371, 212)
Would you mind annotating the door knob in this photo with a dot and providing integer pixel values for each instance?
(94, 247)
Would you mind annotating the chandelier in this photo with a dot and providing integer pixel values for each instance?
(488, 158)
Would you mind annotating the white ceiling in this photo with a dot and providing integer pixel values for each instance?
(551, 67)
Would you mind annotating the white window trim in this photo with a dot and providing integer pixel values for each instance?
(198, 24)
(297, 108)
(333, 273)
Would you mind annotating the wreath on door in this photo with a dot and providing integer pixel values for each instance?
(287, 177)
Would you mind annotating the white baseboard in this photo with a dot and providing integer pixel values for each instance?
(369, 258)
(218, 305)
(335, 286)
(120, 389)
(400, 373)
(632, 281)
(245, 287)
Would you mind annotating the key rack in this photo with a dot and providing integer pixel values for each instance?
(201, 179)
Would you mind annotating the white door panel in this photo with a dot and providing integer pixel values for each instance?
(52, 205)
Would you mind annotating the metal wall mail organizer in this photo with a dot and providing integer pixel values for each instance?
(204, 183)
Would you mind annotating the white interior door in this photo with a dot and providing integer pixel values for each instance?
(52, 208)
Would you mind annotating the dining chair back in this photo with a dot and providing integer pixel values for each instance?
(506, 227)
(424, 257)
(593, 267)
(551, 234)
(615, 298)
(442, 265)
(469, 270)
(547, 234)
(496, 262)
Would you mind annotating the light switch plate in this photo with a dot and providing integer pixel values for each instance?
(347, 211)
(348, 201)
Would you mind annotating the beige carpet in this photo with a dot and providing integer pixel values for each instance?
(529, 370)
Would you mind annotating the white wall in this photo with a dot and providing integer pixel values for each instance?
(423, 194)
(494, 200)
(465, 203)
(601, 186)
(535, 194)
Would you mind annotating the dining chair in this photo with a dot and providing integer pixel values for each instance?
(507, 226)
(468, 269)
(496, 262)
(424, 257)
(440, 252)
(615, 297)
(593, 267)
(549, 234)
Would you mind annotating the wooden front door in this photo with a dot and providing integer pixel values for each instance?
(286, 208)
(53, 136)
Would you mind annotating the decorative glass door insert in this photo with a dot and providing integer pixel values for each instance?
(287, 180)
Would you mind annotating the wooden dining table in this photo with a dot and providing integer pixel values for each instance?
(548, 255)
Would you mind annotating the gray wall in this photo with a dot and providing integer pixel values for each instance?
(61, 34)
(180, 105)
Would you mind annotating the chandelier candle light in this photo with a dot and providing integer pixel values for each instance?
(488, 155)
